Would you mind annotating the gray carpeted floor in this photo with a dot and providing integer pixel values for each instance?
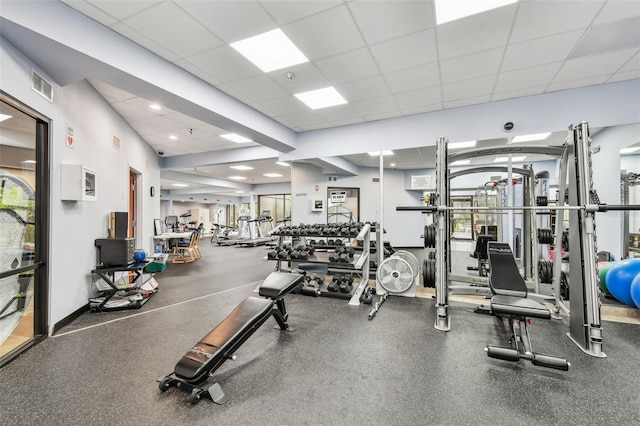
(336, 368)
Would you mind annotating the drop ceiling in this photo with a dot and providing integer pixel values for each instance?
(387, 58)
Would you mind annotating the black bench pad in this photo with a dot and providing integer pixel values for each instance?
(520, 306)
(210, 352)
(277, 284)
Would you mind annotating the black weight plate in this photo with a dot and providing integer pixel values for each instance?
(432, 273)
(425, 264)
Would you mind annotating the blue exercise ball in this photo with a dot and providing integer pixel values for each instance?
(139, 255)
(635, 290)
(619, 279)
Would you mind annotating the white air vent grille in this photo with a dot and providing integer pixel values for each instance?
(41, 86)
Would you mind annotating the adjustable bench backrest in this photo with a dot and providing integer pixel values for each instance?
(482, 243)
(505, 278)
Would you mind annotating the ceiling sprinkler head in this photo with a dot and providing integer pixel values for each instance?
(289, 75)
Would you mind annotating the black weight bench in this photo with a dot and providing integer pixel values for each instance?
(205, 357)
(510, 300)
(481, 254)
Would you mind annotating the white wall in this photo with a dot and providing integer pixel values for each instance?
(75, 225)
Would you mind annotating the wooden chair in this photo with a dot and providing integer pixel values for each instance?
(185, 252)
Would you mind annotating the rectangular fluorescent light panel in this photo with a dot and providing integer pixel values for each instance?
(460, 163)
(629, 150)
(241, 167)
(458, 145)
(181, 185)
(377, 153)
(235, 138)
(237, 177)
(450, 10)
(270, 51)
(282, 163)
(531, 138)
(321, 98)
(4, 117)
(506, 159)
(272, 175)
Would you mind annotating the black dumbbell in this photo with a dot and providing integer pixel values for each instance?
(334, 257)
(272, 254)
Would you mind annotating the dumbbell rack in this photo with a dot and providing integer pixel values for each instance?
(359, 262)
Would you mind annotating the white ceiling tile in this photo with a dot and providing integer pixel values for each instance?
(421, 109)
(626, 75)
(161, 124)
(373, 87)
(541, 51)
(143, 128)
(197, 72)
(384, 20)
(286, 11)
(110, 91)
(144, 41)
(414, 78)
(417, 98)
(123, 9)
(467, 101)
(305, 77)
(340, 112)
(593, 65)
(310, 35)
(131, 112)
(259, 88)
(572, 84)
(632, 64)
(529, 91)
(348, 121)
(91, 11)
(614, 10)
(348, 66)
(231, 21)
(285, 122)
(471, 66)
(376, 105)
(305, 118)
(406, 52)
(225, 64)
(184, 36)
(528, 77)
(542, 18)
(475, 33)
(616, 35)
(468, 88)
(310, 127)
(285, 105)
(381, 115)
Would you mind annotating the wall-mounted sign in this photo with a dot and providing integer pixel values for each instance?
(421, 182)
(69, 139)
(338, 197)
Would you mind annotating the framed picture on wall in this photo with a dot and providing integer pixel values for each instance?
(157, 227)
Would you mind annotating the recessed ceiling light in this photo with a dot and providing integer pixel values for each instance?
(173, 137)
(392, 164)
(181, 185)
(236, 138)
(237, 177)
(377, 153)
(155, 107)
(458, 145)
(460, 163)
(282, 163)
(29, 161)
(241, 167)
(506, 159)
(529, 138)
(321, 98)
(629, 150)
(239, 192)
(270, 51)
(450, 10)
(5, 117)
(272, 175)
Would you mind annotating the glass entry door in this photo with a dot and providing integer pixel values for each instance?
(23, 163)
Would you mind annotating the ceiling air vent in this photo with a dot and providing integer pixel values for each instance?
(41, 86)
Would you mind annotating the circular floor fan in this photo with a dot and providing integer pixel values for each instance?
(398, 273)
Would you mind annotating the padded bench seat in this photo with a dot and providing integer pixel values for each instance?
(224, 339)
(277, 284)
(519, 306)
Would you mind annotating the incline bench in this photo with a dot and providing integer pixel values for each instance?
(510, 300)
(202, 360)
